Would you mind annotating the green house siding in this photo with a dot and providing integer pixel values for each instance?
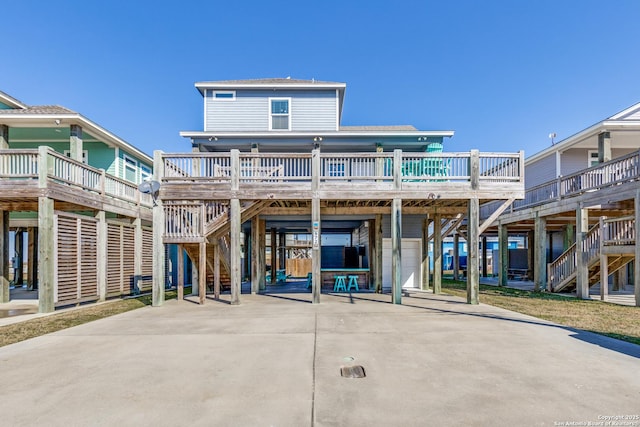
(129, 167)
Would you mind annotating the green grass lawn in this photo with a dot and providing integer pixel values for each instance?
(613, 320)
(21, 331)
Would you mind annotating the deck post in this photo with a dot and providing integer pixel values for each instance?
(274, 255)
(158, 280)
(202, 272)
(46, 237)
(32, 260)
(604, 147)
(137, 256)
(4, 137)
(636, 262)
(424, 285)
(484, 257)
(75, 143)
(396, 251)
(503, 250)
(604, 262)
(102, 254)
(262, 224)
(473, 273)
(235, 230)
(316, 230)
(377, 281)
(4, 256)
(437, 253)
(180, 272)
(216, 270)
(255, 255)
(582, 269)
(456, 256)
(540, 253)
(568, 237)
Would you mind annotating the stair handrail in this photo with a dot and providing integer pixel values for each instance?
(564, 267)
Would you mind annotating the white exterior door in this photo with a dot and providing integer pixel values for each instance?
(411, 263)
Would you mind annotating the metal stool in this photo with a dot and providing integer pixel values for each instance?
(353, 283)
(340, 285)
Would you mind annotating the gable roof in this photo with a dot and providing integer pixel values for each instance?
(627, 119)
(11, 101)
(24, 115)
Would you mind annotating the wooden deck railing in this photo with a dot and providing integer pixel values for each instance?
(26, 165)
(614, 172)
(562, 269)
(618, 231)
(355, 167)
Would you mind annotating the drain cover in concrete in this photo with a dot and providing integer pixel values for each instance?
(352, 371)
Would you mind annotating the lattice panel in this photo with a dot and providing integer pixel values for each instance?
(88, 259)
(67, 258)
(128, 257)
(147, 259)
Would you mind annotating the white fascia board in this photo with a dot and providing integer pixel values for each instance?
(11, 101)
(625, 112)
(48, 120)
(201, 86)
(271, 134)
(567, 143)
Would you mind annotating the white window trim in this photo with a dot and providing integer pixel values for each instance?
(145, 172)
(85, 155)
(128, 166)
(279, 98)
(232, 92)
(589, 158)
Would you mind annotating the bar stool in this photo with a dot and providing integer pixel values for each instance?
(309, 280)
(340, 285)
(353, 283)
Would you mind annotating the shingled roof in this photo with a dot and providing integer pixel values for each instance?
(39, 109)
(393, 128)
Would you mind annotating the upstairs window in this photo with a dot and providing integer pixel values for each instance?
(593, 158)
(145, 172)
(227, 95)
(130, 168)
(279, 114)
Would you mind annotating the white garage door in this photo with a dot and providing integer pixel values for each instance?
(411, 263)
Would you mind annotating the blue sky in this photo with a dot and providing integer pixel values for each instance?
(501, 74)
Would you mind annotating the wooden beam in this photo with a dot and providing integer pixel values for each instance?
(202, 272)
(378, 258)
(396, 251)
(75, 142)
(540, 255)
(46, 256)
(437, 254)
(262, 224)
(216, 270)
(604, 262)
(158, 280)
(316, 230)
(32, 258)
(495, 215)
(255, 255)
(180, 272)
(503, 250)
(4, 256)
(473, 274)
(582, 269)
(456, 256)
(236, 279)
(424, 283)
(102, 253)
(274, 255)
(137, 256)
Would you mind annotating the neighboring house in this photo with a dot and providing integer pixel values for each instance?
(273, 155)
(583, 188)
(68, 187)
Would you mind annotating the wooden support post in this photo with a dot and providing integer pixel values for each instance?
(75, 143)
(582, 269)
(282, 250)
(18, 267)
(540, 254)
(262, 254)
(569, 237)
(316, 229)
(484, 257)
(137, 256)
(4, 256)
(274, 255)
(503, 251)
(46, 256)
(604, 147)
(158, 281)
(424, 282)
(102, 253)
(255, 255)
(32, 259)
(456, 256)
(235, 255)
(216, 270)
(437, 254)
(180, 272)
(604, 262)
(195, 278)
(396, 251)
(473, 276)
(636, 262)
(378, 259)
(202, 272)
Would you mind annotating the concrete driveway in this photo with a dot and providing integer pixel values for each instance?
(275, 360)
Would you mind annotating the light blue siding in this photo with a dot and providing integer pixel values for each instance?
(250, 110)
(4, 106)
(411, 226)
(540, 171)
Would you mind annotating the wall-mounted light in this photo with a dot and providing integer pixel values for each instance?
(422, 138)
(213, 138)
(57, 121)
(317, 139)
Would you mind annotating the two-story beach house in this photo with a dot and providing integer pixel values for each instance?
(581, 209)
(71, 216)
(362, 202)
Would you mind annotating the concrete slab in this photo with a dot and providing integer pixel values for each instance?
(275, 361)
